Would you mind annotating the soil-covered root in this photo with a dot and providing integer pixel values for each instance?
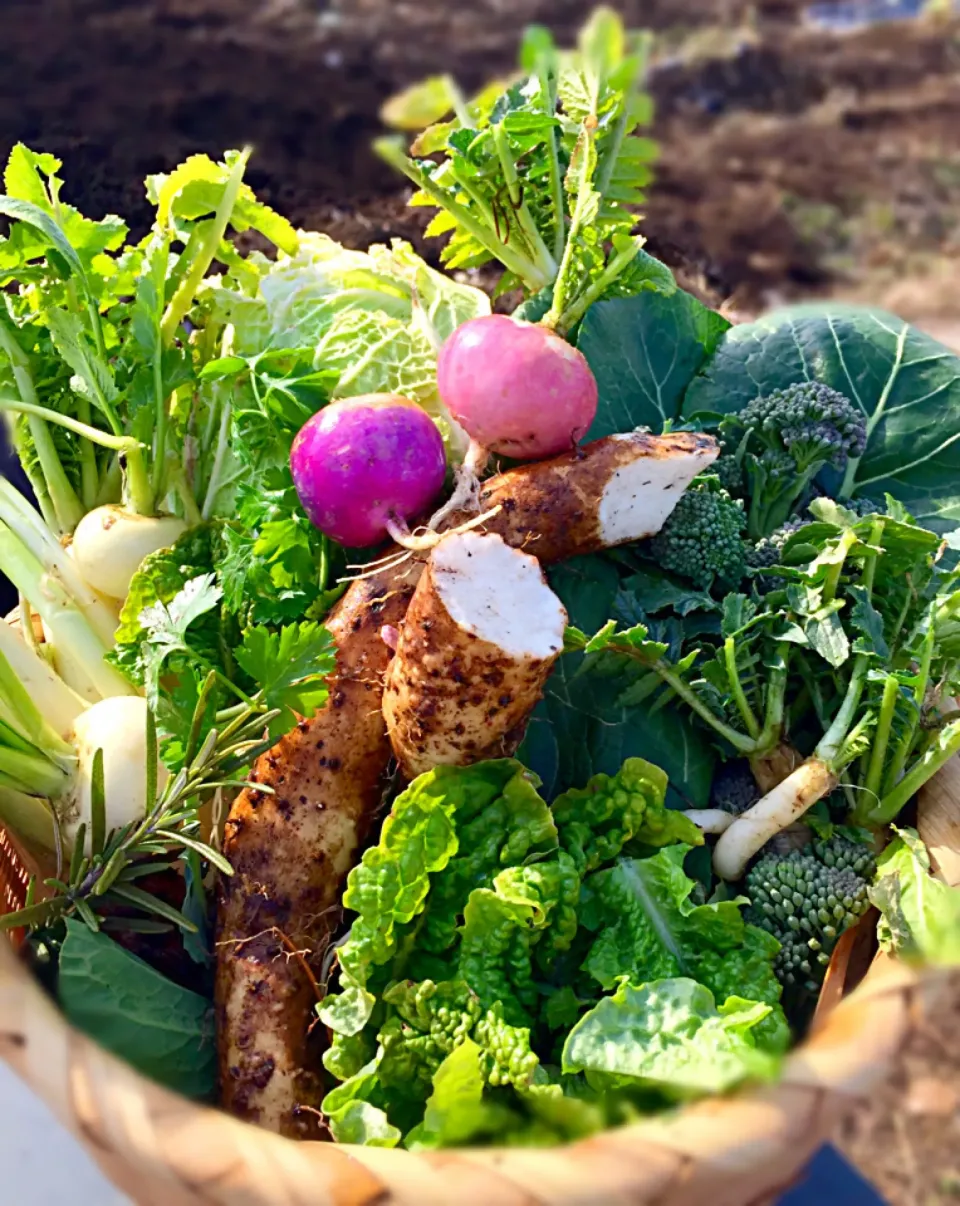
(480, 637)
(291, 850)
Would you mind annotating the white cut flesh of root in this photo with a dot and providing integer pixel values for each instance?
(640, 496)
(786, 803)
(118, 726)
(111, 542)
(498, 595)
(710, 820)
(479, 639)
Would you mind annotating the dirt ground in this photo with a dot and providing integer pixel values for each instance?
(794, 163)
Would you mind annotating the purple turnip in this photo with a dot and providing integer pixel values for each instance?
(364, 466)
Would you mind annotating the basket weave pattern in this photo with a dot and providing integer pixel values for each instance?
(738, 1151)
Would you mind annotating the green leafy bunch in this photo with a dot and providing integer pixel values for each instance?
(502, 951)
(98, 366)
(541, 177)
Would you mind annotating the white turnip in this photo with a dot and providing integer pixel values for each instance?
(118, 726)
(516, 388)
(110, 543)
(364, 466)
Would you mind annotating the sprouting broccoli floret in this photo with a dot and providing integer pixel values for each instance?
(702, 540)
(767, 552)
(728, 470)
(806, 899)
(862, 507)
(734, 789)
(783, 440)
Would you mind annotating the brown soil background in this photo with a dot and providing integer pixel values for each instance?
(794, 163)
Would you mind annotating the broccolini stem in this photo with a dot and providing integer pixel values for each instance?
(906, 743)
(874, 776)
(833, 741)
(917, 776)
(835, 569)
(736, 687)
(745, 745)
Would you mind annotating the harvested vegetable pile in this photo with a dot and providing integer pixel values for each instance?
(490, 724)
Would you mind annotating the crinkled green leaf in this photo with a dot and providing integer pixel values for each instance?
(671, 1035)
(920, 914)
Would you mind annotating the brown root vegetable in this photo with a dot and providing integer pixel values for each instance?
(291, 850)
(480, 637)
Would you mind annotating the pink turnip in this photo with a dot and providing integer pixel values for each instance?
(516, 388)
(363, 466)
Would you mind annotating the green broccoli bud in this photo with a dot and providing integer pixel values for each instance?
(807, 899)
(734, 789)
(729, 472)
(784, 439)
(767, 553)
(702, 541)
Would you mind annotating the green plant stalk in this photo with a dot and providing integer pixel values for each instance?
(744, 745)
(520, 265)
(905, 744)
(830, 745)
(544, 260)
(750, 721)
(66, 506)
(29, 817)
(31, 773)
(556, 177)
(160, 431)
(881, 739)
(618, 263)
(89, 473)
(915, 778)
(116, 443)
(831, 579)
(182, 300)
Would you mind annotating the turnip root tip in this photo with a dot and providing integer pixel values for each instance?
(710, 821)
(479, 639)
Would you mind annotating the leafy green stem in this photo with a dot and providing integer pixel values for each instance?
(881, 739)
(182, 300)
(619, 262)
(63, 498)
(736, 687)
(94, 434)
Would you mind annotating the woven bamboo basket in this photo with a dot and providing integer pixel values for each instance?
(742, 1150)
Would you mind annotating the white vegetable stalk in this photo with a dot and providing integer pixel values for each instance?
(710, 821)
(51, 696)
(786, 803)
(21, 518)
(78, 650)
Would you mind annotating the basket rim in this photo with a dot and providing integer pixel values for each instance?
(129, 1122)
(729, 1151)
